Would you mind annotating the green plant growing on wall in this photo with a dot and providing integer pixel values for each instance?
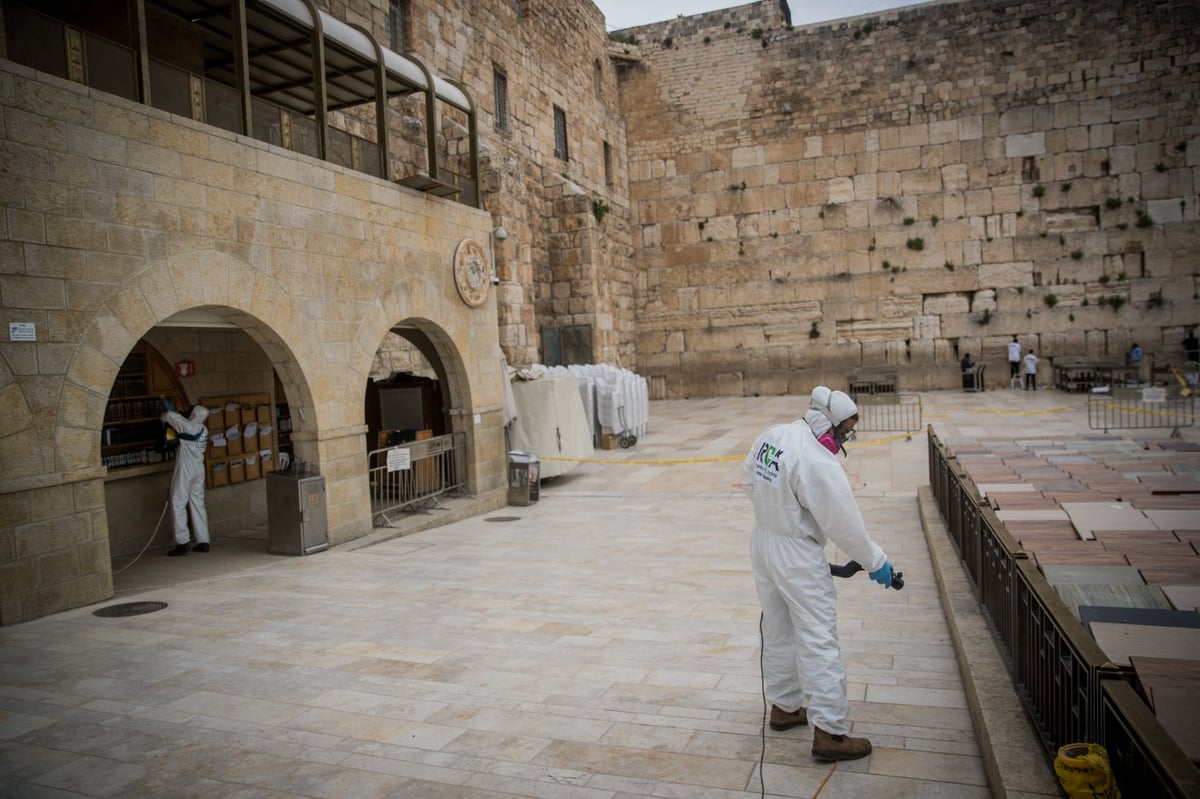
(622, 37)
(1039, 190)
(1144, 219)
(600, 209)
(703, 222)
(1066, 186)
(1071, 317)
(774, 234)
(908, 220)
(1181, 146)
(917, 244)
(1020, 289)
(1020, 213)
(813, 332)
(1062, 240)
(1122, 226)
(1160, 167)
(1076, 254)
(886, 265)
(707, 39)
(1113, 203)
(668, 42)
(1104, 279)
(1120, 276)
(949, 266)
(1051, 300)
(757, 33)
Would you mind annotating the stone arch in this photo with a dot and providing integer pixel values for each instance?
(210, 279)
(405, 303)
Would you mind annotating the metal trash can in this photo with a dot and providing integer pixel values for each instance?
(297, 519)
(524, 479)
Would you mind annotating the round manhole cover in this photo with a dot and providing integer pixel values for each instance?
(503, 519)
(129, 609)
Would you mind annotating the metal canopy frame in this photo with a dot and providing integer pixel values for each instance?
(291, 54)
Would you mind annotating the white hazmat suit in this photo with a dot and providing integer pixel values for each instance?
(802, 498)
(187, 484)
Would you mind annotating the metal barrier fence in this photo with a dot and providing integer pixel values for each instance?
(889, 413)
(1141, 408)
(415, 474)
(1070, 688)
(871, 381)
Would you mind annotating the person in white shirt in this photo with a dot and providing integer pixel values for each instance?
(1031, 362)
(1014, 357)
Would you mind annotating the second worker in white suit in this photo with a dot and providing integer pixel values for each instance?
(802, 498)
(187, 484)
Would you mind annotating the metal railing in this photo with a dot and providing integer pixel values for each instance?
(871, 381)
(1142, 408)
(889, 413)
(1072, 691)
(412, 476)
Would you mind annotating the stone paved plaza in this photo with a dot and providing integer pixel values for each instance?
(599, 644)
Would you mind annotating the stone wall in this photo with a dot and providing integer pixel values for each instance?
(117, 216)
(559, 266)
(904, 187)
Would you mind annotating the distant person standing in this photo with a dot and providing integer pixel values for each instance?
(1014, 357)
(1031, 362)
(1134, 357)
(1191, 345)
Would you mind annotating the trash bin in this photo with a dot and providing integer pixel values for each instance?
(523, 477)
(297, 520)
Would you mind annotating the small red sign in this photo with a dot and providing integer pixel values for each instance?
(185, 369)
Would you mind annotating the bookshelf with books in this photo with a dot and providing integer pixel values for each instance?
(132, 434)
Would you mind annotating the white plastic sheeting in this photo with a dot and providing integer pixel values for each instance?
(549, 421)
(615, 400)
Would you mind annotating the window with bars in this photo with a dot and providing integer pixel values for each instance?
(560, 133)
(396, 24)
(500, 96)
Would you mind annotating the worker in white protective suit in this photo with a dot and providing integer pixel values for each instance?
(187, 484)
(802, 498)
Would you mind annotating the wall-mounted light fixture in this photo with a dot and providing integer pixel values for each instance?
(498, 234)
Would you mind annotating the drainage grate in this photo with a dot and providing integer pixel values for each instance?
(503, 519)
(129, 609)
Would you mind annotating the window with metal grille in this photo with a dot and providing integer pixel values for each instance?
(500, 96)
(396, 18)
(560, 133)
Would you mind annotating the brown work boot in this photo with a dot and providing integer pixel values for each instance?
(782, 720)
(838, 747)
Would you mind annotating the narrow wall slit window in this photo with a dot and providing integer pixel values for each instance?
(608, 177)
(560, 133)
(500, 95)
(396, 17)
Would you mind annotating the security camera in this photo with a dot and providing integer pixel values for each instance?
(500, 233)
(495, 280)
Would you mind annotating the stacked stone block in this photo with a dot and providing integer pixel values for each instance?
(900, 188)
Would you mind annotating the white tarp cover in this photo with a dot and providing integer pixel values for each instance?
(550, 421)
(616, 399)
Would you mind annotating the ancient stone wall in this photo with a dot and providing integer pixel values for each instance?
(553, 55)
(900, 188)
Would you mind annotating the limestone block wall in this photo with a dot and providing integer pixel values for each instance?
(117, 216)
(552, 55)
(900, 188)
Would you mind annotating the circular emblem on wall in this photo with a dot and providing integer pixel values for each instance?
(471, 272)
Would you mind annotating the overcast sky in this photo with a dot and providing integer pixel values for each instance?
(628, 13)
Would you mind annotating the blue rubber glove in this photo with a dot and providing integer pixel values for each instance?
(883, 575)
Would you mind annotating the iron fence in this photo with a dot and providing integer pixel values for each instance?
(889, 413)
(413, 475)
(1142, 408)
(1071, 690)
